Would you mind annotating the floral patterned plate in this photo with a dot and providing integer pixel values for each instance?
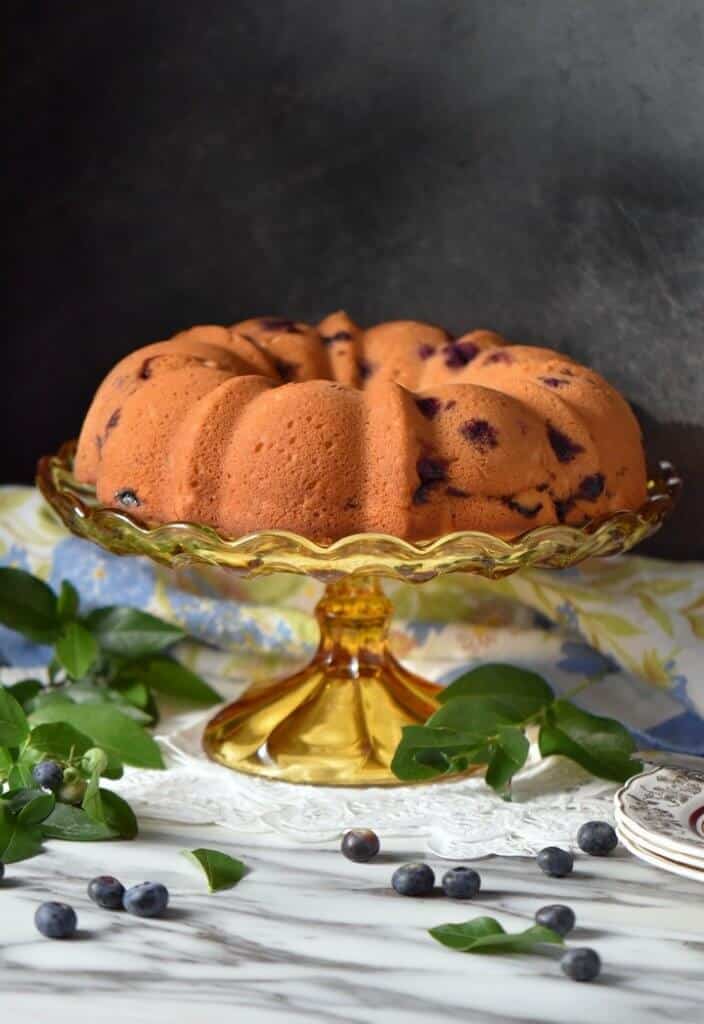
(657, 861)
(685, 859)
(664, 808)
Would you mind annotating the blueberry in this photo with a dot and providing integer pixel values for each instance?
(558, 917)
(360, 845)
(413, 880)
(581, 964)
(49, 775)
(555, 862)
(597, 838)
(461, 883)
(107, 892)
(149, 899)
(56, 920)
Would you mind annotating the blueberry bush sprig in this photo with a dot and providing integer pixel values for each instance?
(483, 719)
(57, 742)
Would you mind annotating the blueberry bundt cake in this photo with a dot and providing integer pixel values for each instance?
(332, 430)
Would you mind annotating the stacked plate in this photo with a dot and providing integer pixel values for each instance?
(660, 818)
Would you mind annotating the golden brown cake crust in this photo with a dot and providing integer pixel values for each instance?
(329, 430)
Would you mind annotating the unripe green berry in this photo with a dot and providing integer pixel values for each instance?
(72, 792)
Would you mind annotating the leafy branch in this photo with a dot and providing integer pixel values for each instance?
(92, 718)
(483, 719)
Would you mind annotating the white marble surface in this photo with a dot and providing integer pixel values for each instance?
(309, 936)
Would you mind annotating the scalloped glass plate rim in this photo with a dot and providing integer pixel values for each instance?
(58, 486)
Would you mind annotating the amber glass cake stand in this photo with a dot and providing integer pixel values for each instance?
(339, 720)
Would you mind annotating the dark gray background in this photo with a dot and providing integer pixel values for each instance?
(534, 166)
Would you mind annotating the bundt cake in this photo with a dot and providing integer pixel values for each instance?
(332, 430)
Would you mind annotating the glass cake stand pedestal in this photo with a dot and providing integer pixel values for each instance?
(338, 721)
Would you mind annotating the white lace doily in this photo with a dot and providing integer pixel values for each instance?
(457, 820)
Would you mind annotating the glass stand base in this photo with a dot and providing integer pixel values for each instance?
(338, 721)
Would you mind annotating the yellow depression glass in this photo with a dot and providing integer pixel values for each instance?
(339, 720)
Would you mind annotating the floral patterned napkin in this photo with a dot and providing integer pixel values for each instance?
(627, 633)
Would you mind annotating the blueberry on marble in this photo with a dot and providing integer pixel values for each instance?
(360, 845)
(461, 883)
(581, 964)
(555, 862)
(149, 899)
(558, 917)
(56, 920)
(107, 892)
(597, 838)
(413, 880)
(48, 775)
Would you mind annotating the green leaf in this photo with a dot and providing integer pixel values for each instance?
(68, 601)
(28, 606)
(131, 632)
(114, 768)
(108, 728)
(50, 696)
(76, 649)
(92, 802)
(59, 740)
(37, 807)
(480, 716)
(69, 822)
(509, 754)
(220, 870)
(460, 936)
(6, 762)
(119, 816)
(13, 721)
(87, 692)
(20, 774)
(424, 753)
(524, 692)
(485, 935)
(601, 745)
(17, 841)
(133, 693)
(25, 691)
(165, 675)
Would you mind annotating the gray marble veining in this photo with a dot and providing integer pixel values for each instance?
(309, 936)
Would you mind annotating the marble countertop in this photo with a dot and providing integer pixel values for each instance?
(309, 936)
